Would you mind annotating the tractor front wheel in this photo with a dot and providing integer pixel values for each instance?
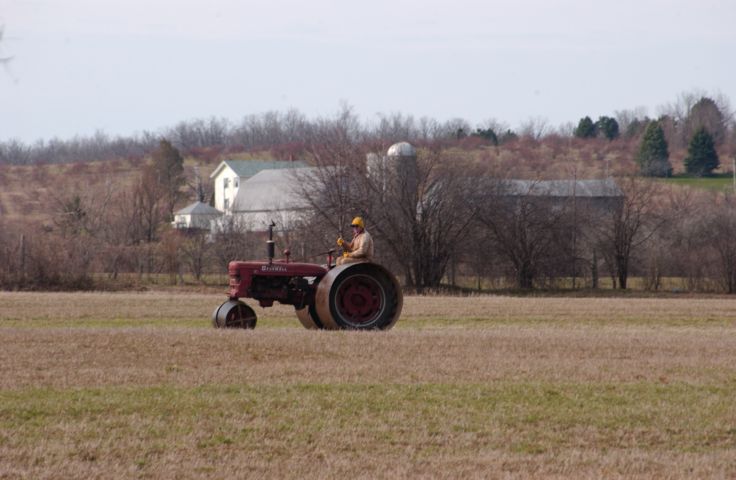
(234, 314)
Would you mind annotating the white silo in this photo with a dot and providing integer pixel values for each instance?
(402, 161)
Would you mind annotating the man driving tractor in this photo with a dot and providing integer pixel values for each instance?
(360, 248)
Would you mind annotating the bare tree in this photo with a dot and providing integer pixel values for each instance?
(681, 107)
(194, 251)
(12, 254)
(233, 242)
(149, 207)
(624, 229)
(414, 205)
(694, 109)
(422, 208)
(720, 227)
(200, 133)
(169, 257)
(146, 213)
(493, 124)
(395, 127)
(330, 188)
(198, 189)
(525, 226)
(455, 128)
(427, 128)
(629, 118)
(534, 128)
(564, 130)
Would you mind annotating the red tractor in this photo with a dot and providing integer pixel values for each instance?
(356, 296)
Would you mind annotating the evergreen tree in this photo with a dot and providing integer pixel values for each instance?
(488, 134)
(508, 136)
(168, 173)
(636, 127)
(654, 157)
(702, 157)
(585, 128)
(168, 163)
(608, 127)
(705, 113)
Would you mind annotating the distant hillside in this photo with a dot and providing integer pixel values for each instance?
(34, 192)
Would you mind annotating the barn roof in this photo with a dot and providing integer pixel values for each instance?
(563, 188)
(273, 190)
(248, 168)
(273, 195)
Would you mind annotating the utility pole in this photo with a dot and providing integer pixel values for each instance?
(574, 226)
(22, 257)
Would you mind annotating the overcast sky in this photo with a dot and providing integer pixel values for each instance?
(124, 66)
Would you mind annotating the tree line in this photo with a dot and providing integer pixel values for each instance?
(699, 124)
(289, 134)
(442, 216)
(286, 134)
(439, 219)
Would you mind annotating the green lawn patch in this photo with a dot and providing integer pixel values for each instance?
(719, 182)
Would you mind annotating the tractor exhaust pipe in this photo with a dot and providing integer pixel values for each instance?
(270, 243)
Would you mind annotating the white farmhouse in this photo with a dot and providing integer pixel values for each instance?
(198, 215)
(230, 174)
(270, 195)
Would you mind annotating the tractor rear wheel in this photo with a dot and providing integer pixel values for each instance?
(359, 296)
(309, 318)
(234, 314)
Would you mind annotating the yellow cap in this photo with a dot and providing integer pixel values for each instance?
(358, 222)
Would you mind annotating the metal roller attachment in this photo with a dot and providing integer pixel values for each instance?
(234, 314)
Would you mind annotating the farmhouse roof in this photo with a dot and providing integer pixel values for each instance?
(564, 188)
(248, 168)
(273, 195)
(198, 208)
(273, 190)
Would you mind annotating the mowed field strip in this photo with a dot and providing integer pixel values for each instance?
(112, 385)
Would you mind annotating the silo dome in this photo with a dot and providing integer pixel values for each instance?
(402, 149)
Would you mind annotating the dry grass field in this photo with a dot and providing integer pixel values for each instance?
(139, 385)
